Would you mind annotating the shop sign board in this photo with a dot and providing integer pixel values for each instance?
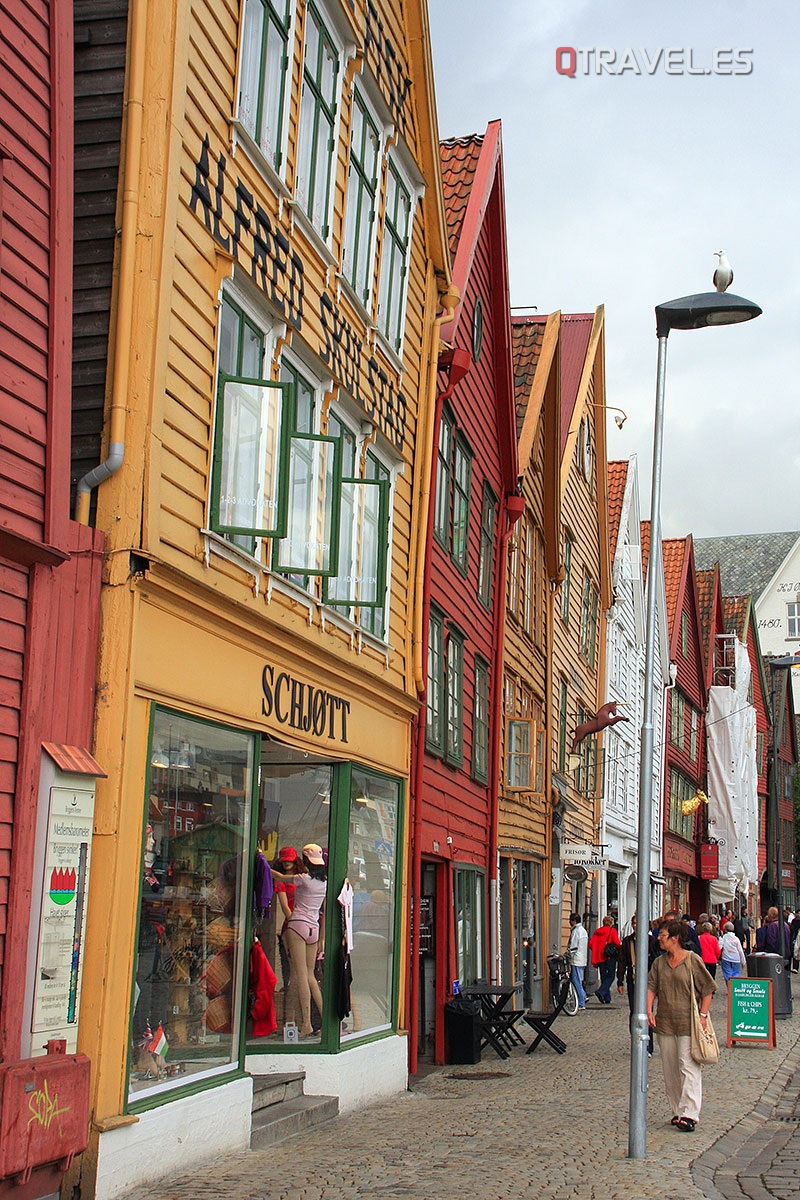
(584, 856)
(62, 926)
(751, 1012)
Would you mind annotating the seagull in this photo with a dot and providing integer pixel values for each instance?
(723, 276)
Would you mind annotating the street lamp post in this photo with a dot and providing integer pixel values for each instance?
(688, 312)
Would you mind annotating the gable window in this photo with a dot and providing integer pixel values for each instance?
(685, 634)
(677, 719)
(793, 618)
(263, 75)
(394, 254)
(361, 201)
(453, 471)
(480, 723)
(589, 607)
(315, 141)
(566, 580)
(486, 554)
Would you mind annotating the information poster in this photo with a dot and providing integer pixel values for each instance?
(751, 1016)
(63, 921)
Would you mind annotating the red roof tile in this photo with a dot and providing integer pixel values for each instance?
(644, 527)
(73, 759)
(673, 551)
(617, 478)
(459, 157)
(706, 588)
(736, 610)
(526, 345)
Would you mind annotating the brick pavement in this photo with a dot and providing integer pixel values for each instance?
(553, 1127)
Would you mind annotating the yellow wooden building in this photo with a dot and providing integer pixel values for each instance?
(280, 277)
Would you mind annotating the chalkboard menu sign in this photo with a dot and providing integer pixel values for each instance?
(751, 1012)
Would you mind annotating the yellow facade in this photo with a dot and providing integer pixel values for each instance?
(193, 622)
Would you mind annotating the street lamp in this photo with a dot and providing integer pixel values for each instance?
(688, 312)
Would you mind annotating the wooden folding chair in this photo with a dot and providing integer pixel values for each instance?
(542, 1023)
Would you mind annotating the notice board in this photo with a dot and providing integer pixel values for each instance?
(751, 1012)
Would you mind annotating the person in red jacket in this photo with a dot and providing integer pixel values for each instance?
(710, 947)
(604, 947)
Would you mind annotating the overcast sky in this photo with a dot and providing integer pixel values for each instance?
(620, 187)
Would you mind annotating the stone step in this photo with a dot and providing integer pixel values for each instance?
(274, 1124)
(276, 1088)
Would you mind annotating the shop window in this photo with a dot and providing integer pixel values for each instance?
(362, 197)
(486, 555)
(263, 75)
(469, 895)
(397, 221)
(315, 139)
(480, 723)
(187, 1000)
(372, 869)
(294, 809)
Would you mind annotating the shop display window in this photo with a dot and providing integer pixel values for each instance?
(187, 997)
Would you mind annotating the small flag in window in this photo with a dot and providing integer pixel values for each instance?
(159, 1043)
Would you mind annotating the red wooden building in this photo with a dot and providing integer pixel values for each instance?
(473, 507)
(684, 742)
(49, 565)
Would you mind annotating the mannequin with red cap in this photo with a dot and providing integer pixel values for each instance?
(286, 863)
(302, 932)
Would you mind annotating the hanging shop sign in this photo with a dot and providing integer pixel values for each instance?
(709, 860)
(62, 928)
(300, 705)
(579, 855)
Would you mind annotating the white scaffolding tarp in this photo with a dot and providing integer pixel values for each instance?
(733, 783)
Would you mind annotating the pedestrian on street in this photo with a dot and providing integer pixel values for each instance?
(768, 938)
(741, 927)
(794, 930)
(626, 972)
(710, 947)
(731, 959)
(578, 953)
(672, 977)
(604, 945)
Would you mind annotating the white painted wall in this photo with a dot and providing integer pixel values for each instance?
(176, 1137)
(358, 1076)
(772, 614)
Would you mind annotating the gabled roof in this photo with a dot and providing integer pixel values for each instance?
(747, 561)
(526, 336)
(737, 615)
(645, 531)
(617, 477)
(706, 587)
(576, 329)
(673, 552)
(459, 157)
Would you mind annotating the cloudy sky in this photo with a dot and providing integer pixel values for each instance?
(619, 188)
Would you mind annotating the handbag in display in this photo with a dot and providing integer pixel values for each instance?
(705, 1047)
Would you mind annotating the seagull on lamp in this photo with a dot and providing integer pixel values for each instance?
(723, 276)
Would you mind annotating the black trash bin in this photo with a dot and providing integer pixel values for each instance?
(772, 966)
(462, 1023)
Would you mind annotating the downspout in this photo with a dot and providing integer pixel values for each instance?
(421, 610)
(513, 509)
(134, 106)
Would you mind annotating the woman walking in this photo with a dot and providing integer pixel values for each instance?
(710, 948)
(604, 945)
(673, 976)
(732, 957)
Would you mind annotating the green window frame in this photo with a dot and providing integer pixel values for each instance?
(562, 726)
(263, 69)
(566, 580)
(462, 471)
(469, 902)
(434, 727)
(589, 608)
(394, 255)
(361, 199)
(694, 731)
(480, 723)
(586, 773)
(677, 719)
(680, 789)
(454, 698)
(444, 456)
(486, 552)
(315, 141)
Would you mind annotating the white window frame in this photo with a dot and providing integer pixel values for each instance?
(273, 164)
(370, 99)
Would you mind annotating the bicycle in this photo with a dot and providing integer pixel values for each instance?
(560, 971)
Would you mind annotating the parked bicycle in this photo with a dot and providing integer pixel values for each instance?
(561, 971)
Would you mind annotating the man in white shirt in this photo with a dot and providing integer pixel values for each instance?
(577, 952)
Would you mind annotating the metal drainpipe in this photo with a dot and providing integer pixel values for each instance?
(421, 610)
(125, 287)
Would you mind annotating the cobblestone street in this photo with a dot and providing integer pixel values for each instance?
(549, 1126)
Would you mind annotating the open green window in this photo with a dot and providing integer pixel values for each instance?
(310, 545)
(360, 579)
(251, 449)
